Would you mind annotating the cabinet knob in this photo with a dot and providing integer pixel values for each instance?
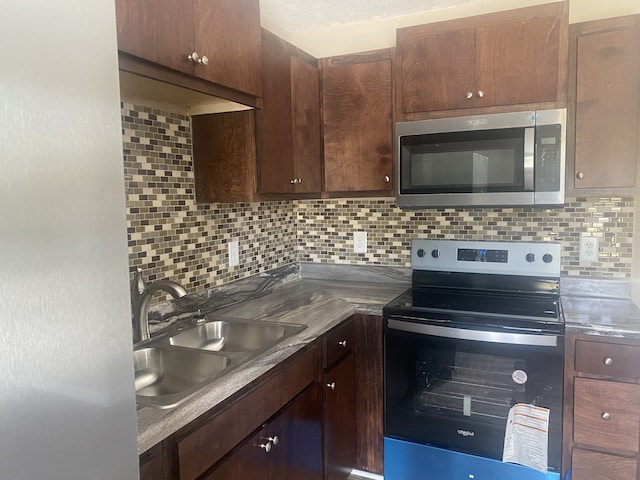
(608, 361)
(265, 446)
(204, 60)
(294, 181)
(387, 179)
(195, 58)
(275, 439)
(580, 175)
(468, 95)
(605, 415)
(343, 343)
(331, 385)
(480, 94)
(299, 180)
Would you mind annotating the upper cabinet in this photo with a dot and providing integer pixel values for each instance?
(490, 62)
(357, 123)
(216, 41)
(289, 143)
(604, 107)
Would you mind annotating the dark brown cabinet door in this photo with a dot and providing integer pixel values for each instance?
(275, 120)
(517, 62)
(369, 393)
(160, 31)
(357, 122)
(515, 57)
(605, 104)
(297, 455)
(289, 122)
(430, 79)
(305, 107)
(248, 462)
(224, 157)
(228, 33)
(151, 464)
(340, 427)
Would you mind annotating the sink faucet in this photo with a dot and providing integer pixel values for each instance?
(141, 295)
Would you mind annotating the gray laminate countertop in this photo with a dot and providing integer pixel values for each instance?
(281, 296)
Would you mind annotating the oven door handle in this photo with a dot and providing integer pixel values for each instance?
(475, 335)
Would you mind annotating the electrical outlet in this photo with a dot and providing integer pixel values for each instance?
(234, 253)
(360, 242)
(588, 249)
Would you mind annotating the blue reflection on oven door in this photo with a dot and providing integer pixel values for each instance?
(411, 461)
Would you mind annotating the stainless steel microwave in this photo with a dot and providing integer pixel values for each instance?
(506, 159)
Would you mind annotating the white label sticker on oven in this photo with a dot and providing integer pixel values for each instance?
(519, 376)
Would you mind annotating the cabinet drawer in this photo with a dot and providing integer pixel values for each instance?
(606, 414)
(608, 359)
(338, 343)
(601, 466)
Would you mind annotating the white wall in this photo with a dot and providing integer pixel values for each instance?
(67, 404)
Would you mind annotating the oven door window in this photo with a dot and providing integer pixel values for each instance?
(464, 162)
(456, 394)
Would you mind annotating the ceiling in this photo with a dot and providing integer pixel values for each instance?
(299, 15)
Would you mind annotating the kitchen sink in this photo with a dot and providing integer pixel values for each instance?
(165, 376)
(176, 364)
(234, 336)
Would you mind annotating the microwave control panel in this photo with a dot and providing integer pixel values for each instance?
(548, 169)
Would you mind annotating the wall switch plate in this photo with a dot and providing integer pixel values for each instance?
(588, 249)
(234, 253)
(360, 242)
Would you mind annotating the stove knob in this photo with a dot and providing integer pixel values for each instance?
(547, 258)
(531, 257)
(435, 253)
(421, 252)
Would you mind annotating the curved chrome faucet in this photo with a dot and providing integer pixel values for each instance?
(141, 295)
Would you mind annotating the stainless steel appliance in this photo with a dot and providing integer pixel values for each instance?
(480, 330)
(515, 158)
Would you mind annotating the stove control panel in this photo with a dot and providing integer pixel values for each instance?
(506, 258)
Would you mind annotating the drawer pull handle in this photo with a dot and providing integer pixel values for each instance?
(343, 343)
(605, 416)
(331, 385)
(608, 361)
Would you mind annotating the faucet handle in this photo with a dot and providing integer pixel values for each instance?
(198, 318)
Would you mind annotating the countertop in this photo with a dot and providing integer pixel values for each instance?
(282, 296)
(322, 296)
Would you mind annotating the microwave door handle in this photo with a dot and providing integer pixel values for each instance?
(529, 149)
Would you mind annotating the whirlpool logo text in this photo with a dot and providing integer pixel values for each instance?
(466, 433)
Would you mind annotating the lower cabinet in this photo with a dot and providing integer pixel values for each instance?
(602, 408)
(340, 403)
(287, 447)
(297, 422)
(151, 464)
(369, 393)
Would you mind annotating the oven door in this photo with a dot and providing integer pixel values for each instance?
(453, 388)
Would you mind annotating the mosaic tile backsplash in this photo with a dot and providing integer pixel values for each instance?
(170, 236)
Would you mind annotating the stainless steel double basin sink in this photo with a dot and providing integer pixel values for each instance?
(171, 367)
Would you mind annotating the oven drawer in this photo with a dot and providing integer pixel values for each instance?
(605, 414)
(602, 466)
(338, 343)
(608, 359)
